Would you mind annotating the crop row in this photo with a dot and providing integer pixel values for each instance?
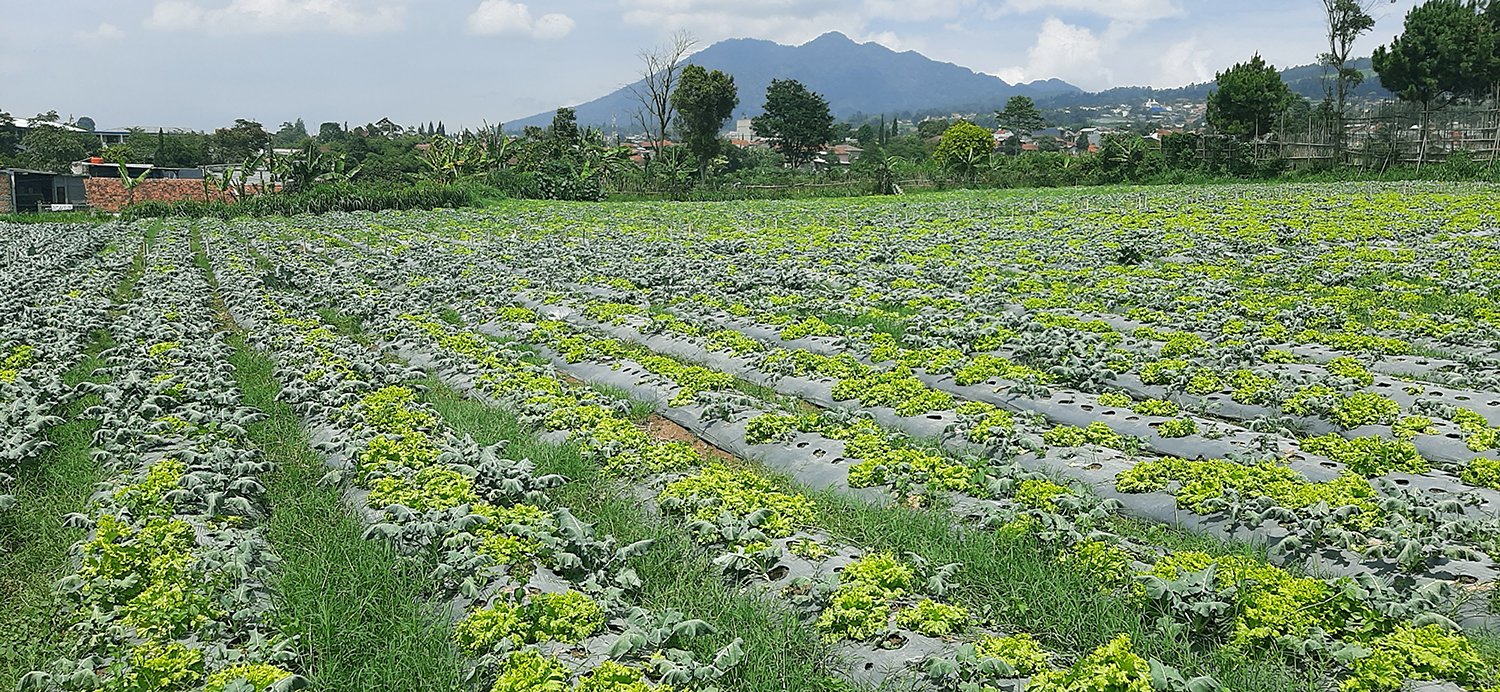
(170, 588)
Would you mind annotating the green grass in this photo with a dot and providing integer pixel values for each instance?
(345, 325)
(34, 542)
(361, 611)
(782, 653)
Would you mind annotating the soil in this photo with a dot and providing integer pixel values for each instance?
(667, 431)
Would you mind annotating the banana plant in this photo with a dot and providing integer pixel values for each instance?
(130, 183)
(449, 160)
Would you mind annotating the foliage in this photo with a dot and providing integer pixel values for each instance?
(320, 200)
(964, 148)
(1249, 98)
(703, 101)
(1021, 116)
(797, 121)
(1434, 59)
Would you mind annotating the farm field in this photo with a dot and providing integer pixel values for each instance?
(1190, 439)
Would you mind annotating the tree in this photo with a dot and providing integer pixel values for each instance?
(10, 135)
(659, 71)
(866, 135)
(1248, 100)
(86, 124)
(562, 137)
(1347, 20)
(796, 120)
(704, 100)
(238, 142)
(49, 147)
(927, 129)
(291, 134)
(963, 147)
(1437, 58)
(1021, 116)
(330, 132)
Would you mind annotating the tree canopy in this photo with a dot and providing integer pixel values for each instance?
(963, 147)
(1021, 115)
(1443, 52)
(796, 120)
(704, 100)
(1249, 98)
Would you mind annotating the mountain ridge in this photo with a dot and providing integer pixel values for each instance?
(854, 77)
(869, 78)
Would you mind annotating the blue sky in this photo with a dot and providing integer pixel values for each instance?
(202, 63)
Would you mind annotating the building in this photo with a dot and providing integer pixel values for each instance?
(743, 129)
(843, 154)
(98, 168)
(24, 190)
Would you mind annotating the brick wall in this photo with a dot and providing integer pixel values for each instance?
(108, 194)
(6, 200)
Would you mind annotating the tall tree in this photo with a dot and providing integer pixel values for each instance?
(238, 142)
(1249, 98)
(1437, 58)
(291, 134)
(1490, 26)
(1021, 116)
(704, 100)
(1346, 21)
(660, 68)
(796, 120)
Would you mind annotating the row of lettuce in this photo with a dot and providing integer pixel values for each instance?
(1379, 518)
(759, 526)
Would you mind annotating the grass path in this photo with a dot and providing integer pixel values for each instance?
(361, 611)
(34, 542)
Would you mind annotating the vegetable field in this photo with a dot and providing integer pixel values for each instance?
(1184, 439)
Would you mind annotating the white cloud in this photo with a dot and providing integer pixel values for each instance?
(1072, 53)
(783, 21)
(505, 18)
(891, 40)
(103, 32)
(279, 16)
(915, 10)
(1184, 62)
(1118, 10)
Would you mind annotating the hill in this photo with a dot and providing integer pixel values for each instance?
(854, 77)
(1304, 80)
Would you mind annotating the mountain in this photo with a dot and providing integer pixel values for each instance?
(854, 77)
(1304, 80)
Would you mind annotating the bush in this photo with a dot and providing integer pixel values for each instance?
(316, 201)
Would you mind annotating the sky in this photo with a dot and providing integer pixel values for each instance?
(202, 63)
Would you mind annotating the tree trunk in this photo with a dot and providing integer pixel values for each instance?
(1422, 148)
